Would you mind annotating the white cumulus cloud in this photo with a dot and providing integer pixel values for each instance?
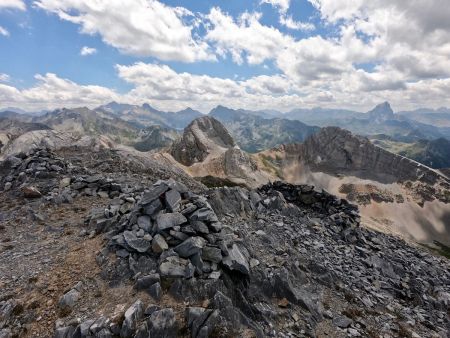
(4, 77)
(245, 38)
(4, 31)
(51, 92)
(289, 22)
(14, 4)
(282, 5)
(87, 51)
(139, 27)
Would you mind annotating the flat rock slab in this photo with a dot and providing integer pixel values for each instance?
(139, 244)
(190, 247)
(167, 221)
(176, 267)
(204, 214)
(155, 192)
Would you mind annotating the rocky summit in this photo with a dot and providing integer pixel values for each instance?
(95, 251)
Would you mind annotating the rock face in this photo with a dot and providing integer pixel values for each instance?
(336, 150)
(381, 112)
(200, 138)
(207, 149)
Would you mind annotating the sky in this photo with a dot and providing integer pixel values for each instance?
(254, 54)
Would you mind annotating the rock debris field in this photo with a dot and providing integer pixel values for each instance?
(85, 253)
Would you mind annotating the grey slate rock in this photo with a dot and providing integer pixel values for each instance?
(153, 207)
(189, 208)
(203, 214)
(151, 308)
(197, 261)
(342, 321)
(192, 313)
(236, 260)
(215, 226)
(84, 327)
(64, 332)
(173, 199)
(203, 326)
(132, 316)
(68, 300)
(155, 291)
(104, 333)
(176, 267)
(144, 282)
(163, 324)
(199, 227)
(139, 244)
(212, 254)
(98, 325)
(167, 221)
(159, 244)
(145, 223)
(189, 247)
(155, 192)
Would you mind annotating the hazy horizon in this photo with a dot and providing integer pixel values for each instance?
(258, 55)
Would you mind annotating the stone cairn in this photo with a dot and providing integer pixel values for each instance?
(180, 232)
(24, 169)
(177, 228)
(339, 211)
(40, 173)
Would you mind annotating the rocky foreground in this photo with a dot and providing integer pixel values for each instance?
(122, 250)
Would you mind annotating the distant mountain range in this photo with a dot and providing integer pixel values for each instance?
(146, 115)
(422, 134)
(254, 133)
(405, 126)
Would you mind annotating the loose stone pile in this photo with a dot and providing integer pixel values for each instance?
(40, 173)
(279, 261)
(340, 211)
(23, 169)
(175, 228)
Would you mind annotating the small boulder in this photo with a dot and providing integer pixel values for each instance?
(204, 214)
(167, 221)
(153, 207)
(236, 260)
(176, 267)
(190, 246)
(31, 192)
(144, 223)
(342, 321)
(139, 244)
(132, 316)
(155, 192)
(212, 254)
(163, 323)
(159, 244)
(155, 291)
(173, 199)
(144, 282)
(68, 301)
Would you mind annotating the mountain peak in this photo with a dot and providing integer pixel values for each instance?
(382, 112)
(201, 137)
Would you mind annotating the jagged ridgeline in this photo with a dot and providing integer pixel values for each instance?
(114, 246)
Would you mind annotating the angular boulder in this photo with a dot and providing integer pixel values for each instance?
(190, 247)
(236, 261)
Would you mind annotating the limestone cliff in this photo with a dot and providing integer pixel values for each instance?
(207, 149)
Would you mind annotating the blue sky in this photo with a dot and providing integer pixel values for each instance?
(269, 54)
